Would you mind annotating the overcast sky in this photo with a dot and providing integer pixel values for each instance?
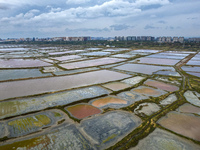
(54, 18)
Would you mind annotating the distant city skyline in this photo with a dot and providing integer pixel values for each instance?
(99, 18)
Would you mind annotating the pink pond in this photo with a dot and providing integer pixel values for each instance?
(162, 85)
(81, 111)
(147, 91)
(22, 63)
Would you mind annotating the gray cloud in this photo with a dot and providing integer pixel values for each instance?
(119, 27)
(150, 27)
(87, 30)
(3, 6)
(162, 22)
(192, 18)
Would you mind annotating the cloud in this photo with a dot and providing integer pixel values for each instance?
(150, 27)
(119, 27)
(106, 17)
(85, 31)
(192, 18)
(111, 8)
(162, 22)
(3, 6)
(77, 1)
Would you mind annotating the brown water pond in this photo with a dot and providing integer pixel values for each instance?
(188, 108)
(162, 85)
(108, 100)
(116, 86)
(186, 125)
(81, 111)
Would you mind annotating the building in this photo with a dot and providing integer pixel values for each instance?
(181, 39)
(131, 38)
(194, 40)
(175, 39)
(78, 38)
(169, 39)
(143, 38)
(163, 39)
(138, 38)
(120, 38)
(150, 38)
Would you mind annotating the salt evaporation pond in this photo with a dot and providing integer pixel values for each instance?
(14, 49)
(81, 111)
(168, 73)
(140, 68)
(22, 63)
(188, 108)
(96, 54)
(116, 86)
(184, 124)
(43, 85)
(37, 103)
(64, 58)
(57, 138)
(147, 51)
(108, 101)
(166, 56)
(148, 91)
(157, 61)
(110, 127)
(191, 69)
(162, 140)
(162, 85)
(21, 73)
(193, 63)
(91, 63)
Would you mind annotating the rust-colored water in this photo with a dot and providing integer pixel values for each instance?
(147, 91)
(81, 111)
(161, 85)
(108, 100)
